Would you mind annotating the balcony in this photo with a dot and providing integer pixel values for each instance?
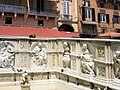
(66, 17)
(45, 12)
(12, 8)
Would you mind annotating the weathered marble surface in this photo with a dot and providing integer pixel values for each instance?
(88, 61)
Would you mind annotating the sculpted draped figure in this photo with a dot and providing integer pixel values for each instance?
(6, 55)
(66, 55)
(117, 64)
(39, 55)
(87, 61)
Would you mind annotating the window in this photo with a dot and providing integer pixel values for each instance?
(65, 9)
(104, 29)
(115, 19)
(102, 4)
(102, 18)
(115, 7)
(87, 3)
(88, 14)
(40, 23)
(8, 20)
(118, 30)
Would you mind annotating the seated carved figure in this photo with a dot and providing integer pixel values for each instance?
(87, 61)
(6, 56)
(39, 55)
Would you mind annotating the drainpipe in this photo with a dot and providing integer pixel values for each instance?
(28, 5)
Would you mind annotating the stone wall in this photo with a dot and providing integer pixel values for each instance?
(81, 63)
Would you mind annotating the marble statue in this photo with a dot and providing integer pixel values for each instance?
(25, 78)
(87, 61)
(6, 55)
(39, 55)
(117, 64)
(66, 55)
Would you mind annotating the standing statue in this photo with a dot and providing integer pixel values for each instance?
(39, 55)
(25, 78)
(66, 55)
(6, 55)
(87, 61)
(117, 64)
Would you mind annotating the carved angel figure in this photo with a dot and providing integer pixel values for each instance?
(87, 61)
(6, 55)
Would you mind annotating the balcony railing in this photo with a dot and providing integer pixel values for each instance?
(22, 9)
(66, 17)
(13, 8)
(44, 12)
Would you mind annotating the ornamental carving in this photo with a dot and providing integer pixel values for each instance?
(23, 45)
(39, 55)
(7, 52)
(101, 52)
(101, 71)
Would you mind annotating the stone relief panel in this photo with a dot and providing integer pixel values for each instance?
(7, 54)
(24, 57)
(87, 60)
(66, 55)
(39, 55)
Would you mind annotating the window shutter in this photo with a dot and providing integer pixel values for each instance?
(119, 19)
(107, 18)
(65, 7)
(83, 13)
(98, 17)
(93, 14)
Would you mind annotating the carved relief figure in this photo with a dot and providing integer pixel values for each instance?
(66, 55)
(6, 55)
(39, 55)
(117, 64)
(87, 61)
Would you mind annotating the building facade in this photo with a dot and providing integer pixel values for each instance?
(85, 16)
(29, 13)
(99, 16)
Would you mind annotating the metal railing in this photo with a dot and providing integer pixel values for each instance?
(13, 8)
(66, 17)
(44, 11)
(22, 9)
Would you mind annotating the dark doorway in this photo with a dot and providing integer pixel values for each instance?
(66, 27)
